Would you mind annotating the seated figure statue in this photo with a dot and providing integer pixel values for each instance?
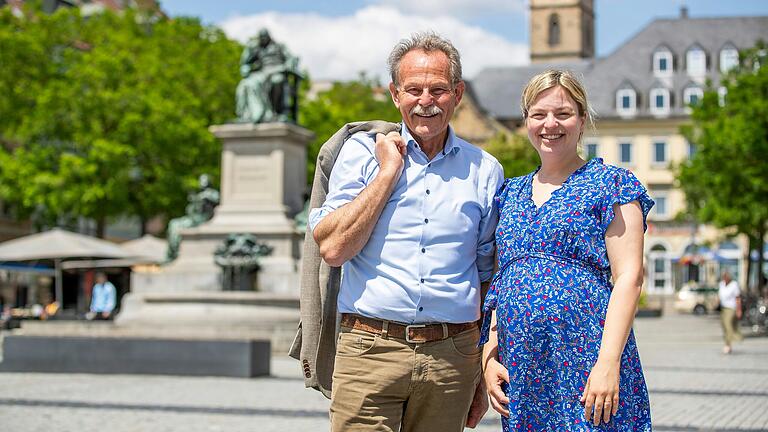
(268, 90)
(199, 209)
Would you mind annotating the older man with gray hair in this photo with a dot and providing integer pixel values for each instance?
(410, 218)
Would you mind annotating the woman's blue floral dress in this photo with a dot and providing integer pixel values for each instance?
(551, 296)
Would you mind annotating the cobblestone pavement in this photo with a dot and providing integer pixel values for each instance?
(693, 388)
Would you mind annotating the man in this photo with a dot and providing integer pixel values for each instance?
(730, 311)
(103, 298)
(410, 218)
(266, 91)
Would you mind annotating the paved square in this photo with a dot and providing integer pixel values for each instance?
(693, 388)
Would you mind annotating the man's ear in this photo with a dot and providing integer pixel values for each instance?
(393, 93)
(459, 91)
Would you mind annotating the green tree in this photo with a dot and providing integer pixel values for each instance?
(726, 180)
(344, 102)
(107, 116)
(514, 153)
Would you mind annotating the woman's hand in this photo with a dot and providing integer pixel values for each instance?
(495, 374)
(601, 394)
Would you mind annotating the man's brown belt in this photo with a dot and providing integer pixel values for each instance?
(414, 333)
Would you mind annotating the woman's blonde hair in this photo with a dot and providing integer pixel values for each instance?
(551, 78)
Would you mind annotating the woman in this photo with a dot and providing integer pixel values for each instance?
(561, 355)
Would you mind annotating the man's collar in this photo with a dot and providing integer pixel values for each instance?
(450, 142)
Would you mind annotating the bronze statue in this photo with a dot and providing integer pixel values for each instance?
(238, 258)
(268, 91)
(199, 209)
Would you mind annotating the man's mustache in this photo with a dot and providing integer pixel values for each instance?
(426, 111)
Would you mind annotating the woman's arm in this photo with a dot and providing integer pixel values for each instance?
(494, 373)
(624, 242)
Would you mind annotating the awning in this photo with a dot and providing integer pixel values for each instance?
(28, 268)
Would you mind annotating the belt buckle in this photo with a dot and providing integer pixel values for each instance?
(408, 332)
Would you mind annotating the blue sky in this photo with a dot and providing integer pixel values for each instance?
(338, 39)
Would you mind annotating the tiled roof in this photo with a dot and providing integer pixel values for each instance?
(498, 88)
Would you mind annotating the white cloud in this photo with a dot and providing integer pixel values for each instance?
(340, 47)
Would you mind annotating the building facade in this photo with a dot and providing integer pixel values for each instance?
(641, 94)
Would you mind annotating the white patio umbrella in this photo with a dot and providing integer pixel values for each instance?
(57, 245)
(147, 249)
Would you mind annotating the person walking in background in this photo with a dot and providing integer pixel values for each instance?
(103, 298)
(561, 354)
(730, 311)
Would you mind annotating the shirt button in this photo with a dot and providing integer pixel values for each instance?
(422, 280)
(429, 165)
(426, 220)
(423, 250)
(427, 191)
(421, 308)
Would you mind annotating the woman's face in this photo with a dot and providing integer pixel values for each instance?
(554, 123)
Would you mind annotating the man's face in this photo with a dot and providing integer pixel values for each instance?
(425, 96)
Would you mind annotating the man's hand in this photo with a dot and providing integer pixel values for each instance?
(390, 150)
(495, 373)
(479, 406)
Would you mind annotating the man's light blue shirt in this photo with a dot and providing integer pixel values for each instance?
(103, 297)
(434, 241)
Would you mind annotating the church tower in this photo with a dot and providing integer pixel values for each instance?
(562, 30)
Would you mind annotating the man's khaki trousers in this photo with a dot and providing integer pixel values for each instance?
(730, 325)
(387, 384)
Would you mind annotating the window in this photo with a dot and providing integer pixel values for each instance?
(659, 101)
(696, 62)
(660, 270)
(554, 30)
(691, 149)
(660, 208)
(591, 149)
(662, 62)
(729, 58)
(625, 153)
(626, 102)
(692, 95)
(659, 152)
(722, 95)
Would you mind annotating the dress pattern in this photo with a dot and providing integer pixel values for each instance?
(551, 296)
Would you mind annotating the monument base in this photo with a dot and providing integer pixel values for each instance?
(215, 315)
(263, 180)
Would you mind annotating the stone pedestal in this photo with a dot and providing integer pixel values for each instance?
(263, 180)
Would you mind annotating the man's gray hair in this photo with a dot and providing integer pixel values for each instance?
(428, 42)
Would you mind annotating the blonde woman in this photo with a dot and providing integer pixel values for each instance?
(561, 354)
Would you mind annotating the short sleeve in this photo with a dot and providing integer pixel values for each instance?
(622, 188)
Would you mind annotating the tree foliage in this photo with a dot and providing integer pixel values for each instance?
(514, 153)
(107, 115)
(726, 180)
(343, 103)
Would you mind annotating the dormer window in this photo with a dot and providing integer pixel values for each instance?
(662, 62)
(692, 95)
(660, 102)
(729, 58)
(626, 102)
(696, 62)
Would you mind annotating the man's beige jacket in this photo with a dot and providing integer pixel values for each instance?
(315, 343)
